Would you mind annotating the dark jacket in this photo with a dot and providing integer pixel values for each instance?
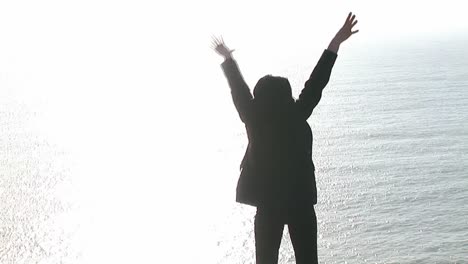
(277, 169)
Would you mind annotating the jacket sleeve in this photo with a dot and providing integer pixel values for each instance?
(312, 92)
(240, 92)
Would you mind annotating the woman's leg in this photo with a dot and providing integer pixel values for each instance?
(268, 234)
(302, 227)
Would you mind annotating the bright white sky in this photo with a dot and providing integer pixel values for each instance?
(132, 87)
(108, 59)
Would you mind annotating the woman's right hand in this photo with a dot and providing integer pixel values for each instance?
(344, 33)
(347, 30)
(221, 48)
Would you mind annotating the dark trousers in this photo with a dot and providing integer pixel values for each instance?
(302, 226)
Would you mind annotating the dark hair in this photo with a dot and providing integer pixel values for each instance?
(273, 89)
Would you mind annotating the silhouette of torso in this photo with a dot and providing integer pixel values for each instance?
(277, 169)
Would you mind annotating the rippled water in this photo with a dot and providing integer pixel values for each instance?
(391, 150)
(390, 147)
(38, 208)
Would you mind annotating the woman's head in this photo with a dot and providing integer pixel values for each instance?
(273, 89)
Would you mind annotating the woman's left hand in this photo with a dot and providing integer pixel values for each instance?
(221, 48)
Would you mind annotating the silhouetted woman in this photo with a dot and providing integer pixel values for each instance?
(277, 172)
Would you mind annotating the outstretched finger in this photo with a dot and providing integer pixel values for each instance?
(214, 44)
(354, 23)
(214, 41)
(354, 31)
(347, 19)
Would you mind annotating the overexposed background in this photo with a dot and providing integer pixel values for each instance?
(131, 97)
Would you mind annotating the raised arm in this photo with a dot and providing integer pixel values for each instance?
(240, 91)
(312, 92)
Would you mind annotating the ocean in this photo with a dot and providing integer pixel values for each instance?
(391, 155)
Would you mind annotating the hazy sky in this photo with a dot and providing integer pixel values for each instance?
(96, 63)
(72, 46)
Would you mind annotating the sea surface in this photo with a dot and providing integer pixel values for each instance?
(391, 151)
(391, 155)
